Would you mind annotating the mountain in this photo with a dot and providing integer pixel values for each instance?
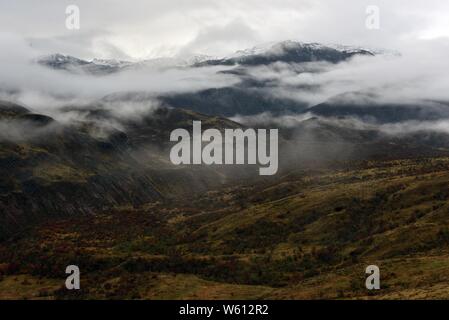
(72, 64)
(98, 160)
(231, 101)
(249, 96)
(10, 109)
(107, 66)
(104, 158)
(289, 52)
(285, 51)
(370, 108)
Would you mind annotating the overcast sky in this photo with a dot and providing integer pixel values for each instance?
(137, 29)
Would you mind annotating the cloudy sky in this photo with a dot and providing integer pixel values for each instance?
(137, 29)
(145, 29)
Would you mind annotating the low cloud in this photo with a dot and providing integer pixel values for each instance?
(23, 80)
(415, 75)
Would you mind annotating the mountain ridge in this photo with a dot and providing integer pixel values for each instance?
(304, 52)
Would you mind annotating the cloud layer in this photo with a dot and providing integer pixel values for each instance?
(146, 29)
(111, 29)
(26, 81)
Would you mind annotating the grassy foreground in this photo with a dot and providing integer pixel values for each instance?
(308, 235)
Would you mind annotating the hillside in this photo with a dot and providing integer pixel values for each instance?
(307, 236)
(99, 160)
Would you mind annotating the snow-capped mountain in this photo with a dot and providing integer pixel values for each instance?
(61, 61)
(105, 66)
(291, 52)
(276, 48)
(286, 51)
(96, 66)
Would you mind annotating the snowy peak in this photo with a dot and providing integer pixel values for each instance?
(288, 51)
(280, 48)
(58, 60)
(105, 66)
(96, 66)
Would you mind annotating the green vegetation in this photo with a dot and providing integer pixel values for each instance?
(309, 236)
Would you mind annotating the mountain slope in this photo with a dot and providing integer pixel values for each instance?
(72, 64)
(368, 108)
(54, 169)
(231, 101)
(308, 235)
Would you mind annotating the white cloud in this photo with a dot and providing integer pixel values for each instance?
(419, 73)
(157, 28)
(143, 29)
(42, 87)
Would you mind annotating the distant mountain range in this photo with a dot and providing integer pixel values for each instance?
(252, 96)
(286, 51)
(289, 52)
(96, 66)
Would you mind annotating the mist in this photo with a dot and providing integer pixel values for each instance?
(411, 76)
(23, 80)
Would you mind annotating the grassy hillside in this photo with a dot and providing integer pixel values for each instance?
(53, 168)
(308, 235)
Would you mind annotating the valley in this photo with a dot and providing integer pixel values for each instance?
(307, 236)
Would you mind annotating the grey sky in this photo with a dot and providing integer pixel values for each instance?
(142, 29)
(145, 29)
